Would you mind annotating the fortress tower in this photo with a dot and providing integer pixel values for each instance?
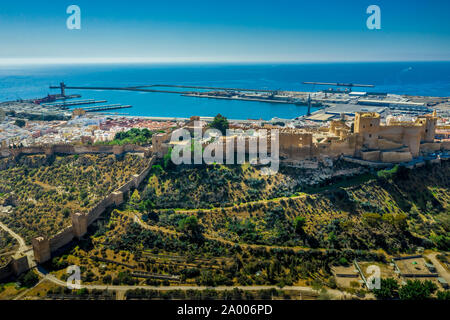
(41, 249)
(117, 198)
(429, 123)
(80, 224)
(368, 125)
(157, 144)
(20, 264)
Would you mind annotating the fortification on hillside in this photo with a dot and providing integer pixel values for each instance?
(43, 247)
(69, 149)
(367, 139)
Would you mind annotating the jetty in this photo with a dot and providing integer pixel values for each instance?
(72, 103)
(106, 107)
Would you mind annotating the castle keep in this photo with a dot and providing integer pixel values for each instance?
(369, 139)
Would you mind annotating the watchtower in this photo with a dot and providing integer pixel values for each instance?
(79, 224)
(429, 123)
(41, 249)
(368, 125)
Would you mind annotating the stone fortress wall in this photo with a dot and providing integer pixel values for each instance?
(6, 270)
(17, 265)
(369, 140)
(73, 149)
(393, 142)
(43, 248)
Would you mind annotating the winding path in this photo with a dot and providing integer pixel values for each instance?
(165, 230)
(23, 248)
(22, 244)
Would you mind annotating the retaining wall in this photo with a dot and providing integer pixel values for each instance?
(413, 275)
(367, 163)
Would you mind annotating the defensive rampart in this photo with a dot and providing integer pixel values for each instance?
(44, 248)
(74, 149)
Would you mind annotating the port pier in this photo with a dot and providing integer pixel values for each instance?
(242, 94)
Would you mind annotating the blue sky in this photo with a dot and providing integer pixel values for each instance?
(224, 31)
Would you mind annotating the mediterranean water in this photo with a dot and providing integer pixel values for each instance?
(413, 78)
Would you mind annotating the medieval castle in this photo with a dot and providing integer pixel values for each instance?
(366, 139)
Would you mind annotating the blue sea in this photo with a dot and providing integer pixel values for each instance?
(414, 78)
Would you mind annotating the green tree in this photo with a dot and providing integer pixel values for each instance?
(29, 280)
(299, 223)
(416, 290)
(167, 160)
(443, 295)
(442, 242)
(220, 123)
(135, 197)
(107, 279)
(388, 289)
(20, 123)
(191, 227)
(66, 212)
(133, 136)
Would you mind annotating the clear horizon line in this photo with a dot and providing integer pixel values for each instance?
(64, 61)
